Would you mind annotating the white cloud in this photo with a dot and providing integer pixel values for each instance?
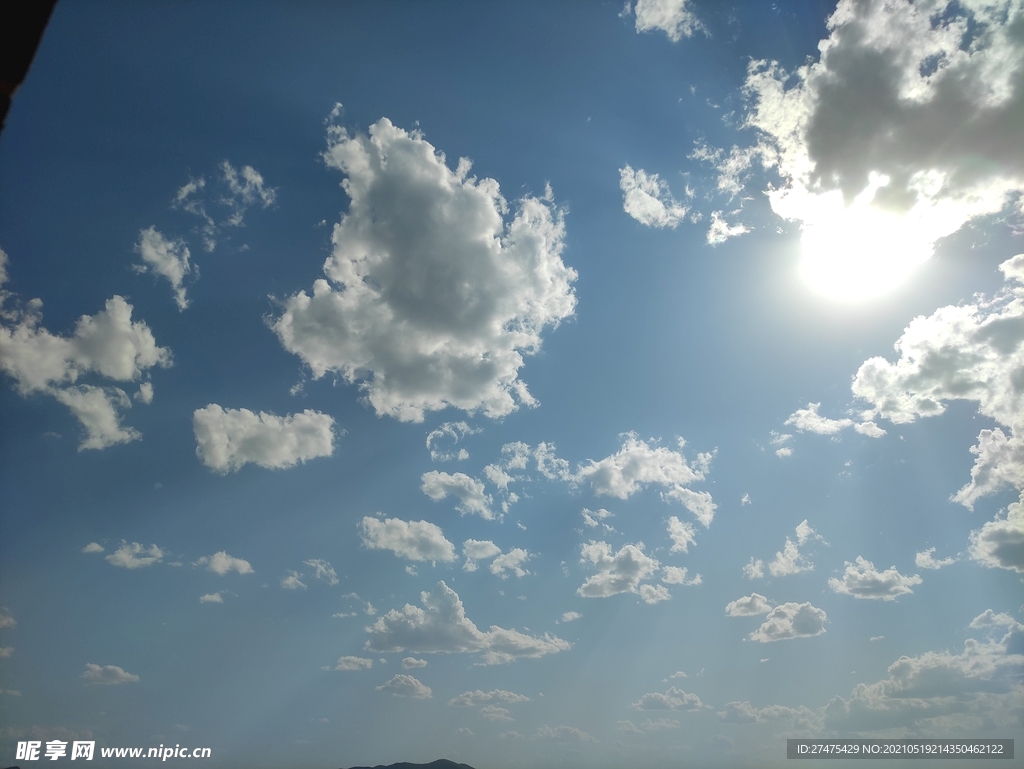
(92, 547)
(479, 697)
(570, 733)
(648, 726)
(968, 352)
(673, 699)
(167, 258)
(628, 726)
(905, 129)
(238, 190)
(107, 675)
(516, 454)
(1000, 542)
(570, 616)
(745, 500)
(791, 620)
(6, 620)
(789, 561)
(145, 393)
(619, 573)
(748, 605)
(108, 344)
(870, 429)
(402, 685)
(595, 518)
(185, 192)
(323, 570)
(495, 713)
(979, 685)
(637, 464)
(444, 627)
(682, 535)
(549, 465)
(353, 663)
(6, 651)
(134, 555)
(437, 297)
(999, 463)
(925, 560)
(676, 575)
(720, 230)
(862, 580)
(781, 439)
(453, 431)
(653, 593)
(477, 549)
(648, 199)
(745, 713)
(228, 439)
(469, 491)
(221, 563)
(211, 598)
(97, 409)
(990, 619)
(809, 420)
(804, 533)
(246, 187)
(411, 662)
(292, 581)
(674, 17)
(511, 561)
(733, 168)
(415, 540)
(496, 475)
(754, 569)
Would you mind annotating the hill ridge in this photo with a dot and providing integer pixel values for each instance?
(441, 763)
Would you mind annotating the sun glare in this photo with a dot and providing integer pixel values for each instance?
(858, 252)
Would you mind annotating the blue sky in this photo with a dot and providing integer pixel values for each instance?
(526, 384)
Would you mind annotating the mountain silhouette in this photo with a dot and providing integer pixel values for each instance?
(441, 763)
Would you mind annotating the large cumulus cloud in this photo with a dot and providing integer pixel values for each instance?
(905, 128)
(434, 292)
(980, 687)
(975, 692)
(972, 352)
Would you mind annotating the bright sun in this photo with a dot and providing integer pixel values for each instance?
(858, 252)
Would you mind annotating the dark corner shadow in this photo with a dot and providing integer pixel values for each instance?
(22, 23)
